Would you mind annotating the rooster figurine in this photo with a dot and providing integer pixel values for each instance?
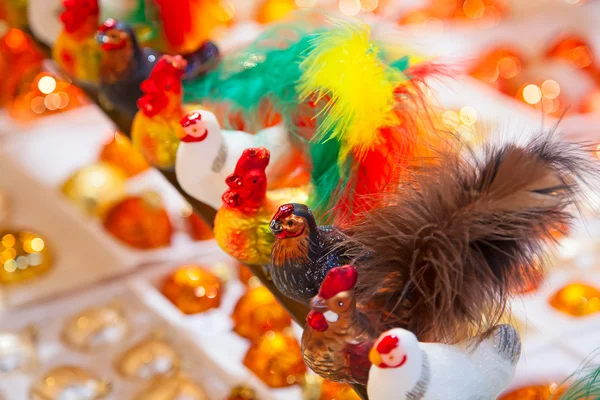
(125, 64)
(337, 337)
(207, 154)
(75, 50)
(240, 223)
(303, 252)
(404, 368)
(156, 129)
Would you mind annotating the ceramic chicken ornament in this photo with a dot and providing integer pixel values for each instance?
(303, 252)
(125, 64)
(207, 154)
(404, 368)
(75, 51)
(156, 130)
(337, 337)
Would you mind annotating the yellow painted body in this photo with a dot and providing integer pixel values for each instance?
(79, 58)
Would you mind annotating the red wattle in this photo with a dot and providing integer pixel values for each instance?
(316, 320)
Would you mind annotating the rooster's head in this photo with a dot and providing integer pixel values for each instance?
(394, 349)
(78, 14)
(162, 91)
(335, 299)
(292, 220)
(248, 183)
(114, 35)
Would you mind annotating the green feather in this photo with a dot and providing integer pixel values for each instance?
(585, 385)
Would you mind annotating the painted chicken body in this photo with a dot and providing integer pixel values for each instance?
(337, 338)
(404, 368)
(75, 50)
(204, 161)
(302, 253)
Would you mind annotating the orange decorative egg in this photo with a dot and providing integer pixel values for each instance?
(577, 300)
(193, 289)
(140, 222)
(572, 49)
(534, 392)
(258, 312)
(277, 360)
(337, 391)
(497, 67)
(119, 151)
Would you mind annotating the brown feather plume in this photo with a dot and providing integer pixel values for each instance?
(446, 252)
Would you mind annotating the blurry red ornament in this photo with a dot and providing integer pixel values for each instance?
(497, 67)
(337, 391)
(258, 312)
(277, 360)
(119, 152)
(577, 300)
(193, 289)
(140, 222)
(534, 392)
(197, 227)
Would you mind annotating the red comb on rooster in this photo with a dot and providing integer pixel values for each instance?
(164, 82)
(76, 13)
(248, 183)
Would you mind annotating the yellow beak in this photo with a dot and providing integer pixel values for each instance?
(374, 357)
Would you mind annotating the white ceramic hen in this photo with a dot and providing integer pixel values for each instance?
(403, 368)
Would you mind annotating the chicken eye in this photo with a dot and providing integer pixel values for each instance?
(290, 223)
(340, 303)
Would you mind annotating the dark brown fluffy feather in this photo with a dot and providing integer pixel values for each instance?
(447, 251)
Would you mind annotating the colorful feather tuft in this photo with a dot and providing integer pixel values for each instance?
(372, 117)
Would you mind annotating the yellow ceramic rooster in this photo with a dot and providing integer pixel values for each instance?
(76, 51)
(156, 129)
(242, 223)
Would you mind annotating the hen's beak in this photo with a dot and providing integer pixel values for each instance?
(276, 227)
(375, 357)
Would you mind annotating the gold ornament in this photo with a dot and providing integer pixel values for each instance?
(119, 151)
(174, 387)
(18, 352)
(276, 359)
(23, 255)
(193, 289)
(151, 357)
(577, 300)
(95, 188)
(96, 327)
(242, 393)
(69, 382)
(258, 312)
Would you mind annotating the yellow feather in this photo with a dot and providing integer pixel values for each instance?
(344, 66)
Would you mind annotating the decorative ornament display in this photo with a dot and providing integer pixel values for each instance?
(45, 95)
(175, 386)
(20, 61)
(148, 358)
(337, 338)
(303, 252)
(69, 382)
(576, 299)
(140, 222)
(207, 154)
(18, 351)
(276, 359)
(404, 368)
(24, 255)
(75, 50)
(242, 393)
(258, 312)
(125, 65)
(119, 151)
(96, 327)
(95, 188)
(193, 289)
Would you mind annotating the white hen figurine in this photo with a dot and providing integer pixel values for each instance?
(207, 155)
(403, 368)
